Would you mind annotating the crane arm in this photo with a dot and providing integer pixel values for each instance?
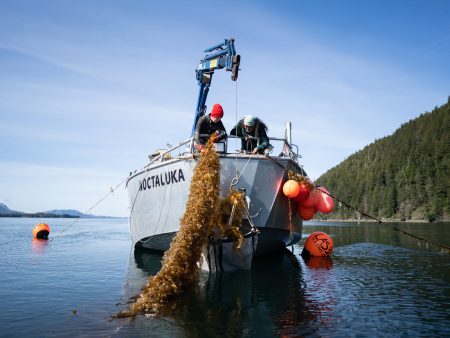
(222, 55)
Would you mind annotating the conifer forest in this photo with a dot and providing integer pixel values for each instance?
(404, 176)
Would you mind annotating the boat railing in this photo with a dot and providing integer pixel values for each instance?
(222, 147)
(287, 148)
(161, 155)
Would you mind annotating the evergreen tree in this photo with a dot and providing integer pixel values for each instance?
(401, 176)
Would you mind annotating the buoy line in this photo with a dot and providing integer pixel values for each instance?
(90, 209)
(442, 246)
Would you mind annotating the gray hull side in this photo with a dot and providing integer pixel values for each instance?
(155, 209)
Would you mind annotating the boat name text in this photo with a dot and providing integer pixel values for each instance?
(170, 177)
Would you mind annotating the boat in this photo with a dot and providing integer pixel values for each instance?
(158, 192)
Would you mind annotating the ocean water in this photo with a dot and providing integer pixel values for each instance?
(378, 283)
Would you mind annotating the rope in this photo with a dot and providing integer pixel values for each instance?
(237, 176)
(137, 193)
(235, 180)
(442, 246)
(147, 173)
(89, 210)
(276, 162)
(161, 210)
(236, 122)
(291, 226)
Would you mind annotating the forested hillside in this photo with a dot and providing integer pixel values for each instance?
(404, 176)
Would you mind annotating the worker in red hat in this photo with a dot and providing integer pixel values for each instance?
(208, 125)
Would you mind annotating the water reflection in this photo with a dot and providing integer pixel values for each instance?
(147, 260)
(346, 233)
(279, 281)
(142, 264)
(378, 283)
(314, 262)
(268, 300)
(39, 246)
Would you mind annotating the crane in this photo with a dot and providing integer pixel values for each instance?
(222, 55)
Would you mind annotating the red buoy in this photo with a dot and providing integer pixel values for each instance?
(311, 201)
(291, 188)
(325, 203)
(303, 193)
(305, 213)
(318, 244)
(41, 231)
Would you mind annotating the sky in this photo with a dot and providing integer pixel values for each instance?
(89, 88)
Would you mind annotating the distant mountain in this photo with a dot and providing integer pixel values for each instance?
(404, 176)
(68, 212)
(5, 211)
(64, 213)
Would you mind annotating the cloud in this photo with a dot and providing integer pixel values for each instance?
(88, 88)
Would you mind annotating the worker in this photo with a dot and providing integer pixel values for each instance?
(253, 134)
(208, 125)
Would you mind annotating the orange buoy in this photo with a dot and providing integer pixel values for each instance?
(291, 188)
(41, 231)
(318, 244)
(325, 203)
(305, 213)
(303, 193)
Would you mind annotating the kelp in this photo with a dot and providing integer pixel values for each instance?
(223, 215)
(180, 263)
(292, 175)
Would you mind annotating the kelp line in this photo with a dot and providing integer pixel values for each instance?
(179, 264)
(204, 215)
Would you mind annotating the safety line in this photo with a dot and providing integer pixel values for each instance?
(89, 210)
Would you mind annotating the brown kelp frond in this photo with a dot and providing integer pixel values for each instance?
(223, 212)
(301, 179)
(179, 263)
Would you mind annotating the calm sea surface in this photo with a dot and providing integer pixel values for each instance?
(379, 283)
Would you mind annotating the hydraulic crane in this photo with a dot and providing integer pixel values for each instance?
(219, 56)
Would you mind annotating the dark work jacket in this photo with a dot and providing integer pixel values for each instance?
(207, 127)
(260, 132)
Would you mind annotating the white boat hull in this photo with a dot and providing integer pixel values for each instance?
(158, 195)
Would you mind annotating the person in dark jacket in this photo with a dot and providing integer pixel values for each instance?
(253, 134)
(208, 125)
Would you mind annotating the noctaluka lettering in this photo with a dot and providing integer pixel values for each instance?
(155, 181)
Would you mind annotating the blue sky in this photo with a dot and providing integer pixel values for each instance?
(89, 88)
